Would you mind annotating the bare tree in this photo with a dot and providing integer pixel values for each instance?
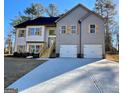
(115, 34)
(106, 8)
(52, 10)
(8, 44)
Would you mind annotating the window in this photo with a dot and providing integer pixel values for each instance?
(63, 29)
(21, 33)
(34, 31)
(31, 48)
(92, 28)
(34, 48)
(51, 32)
(31, 31)
(73, 29)
(37, 32)
(21, 48)
(37, 48)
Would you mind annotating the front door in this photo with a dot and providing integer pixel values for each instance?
(51, 37)
(51, 40)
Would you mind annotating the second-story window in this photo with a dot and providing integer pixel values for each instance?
(21, 33)
(63, 29)
(92, 28)
(34, 31)
(73, 29)
(37, 32)
(52, 32)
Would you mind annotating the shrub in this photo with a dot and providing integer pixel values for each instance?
(28, 54)
(35, 55)
(24, 55)
(16, 54)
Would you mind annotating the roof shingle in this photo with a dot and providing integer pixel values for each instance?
(38, 21)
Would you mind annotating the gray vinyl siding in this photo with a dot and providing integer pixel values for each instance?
(70, 19)
(96, 38)
(87, 38)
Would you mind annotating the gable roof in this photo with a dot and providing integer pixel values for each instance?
(79, 5)
(85, 16)
(38, 21)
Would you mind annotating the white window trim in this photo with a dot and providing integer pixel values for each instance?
(34, 33)
(61, 29)
(89, 29)
(22, 48)
(17, 32)
(34, 47)
(20, 32)
(75, 29)
(42, 27)
(51, 35)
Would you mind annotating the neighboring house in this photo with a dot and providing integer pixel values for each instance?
(79, 33)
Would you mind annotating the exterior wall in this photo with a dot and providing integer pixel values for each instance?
(23, 40)
(35, 38)
(87, 38)
(68, 38)
(92, 38)
(70, 19)
(21, 48)
(19, 40)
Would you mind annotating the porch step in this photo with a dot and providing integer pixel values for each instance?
(47, 52)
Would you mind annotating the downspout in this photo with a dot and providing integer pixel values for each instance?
(80, 55)
(80, 21)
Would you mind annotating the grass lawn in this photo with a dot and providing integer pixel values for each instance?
(112, 57)
(14, 68)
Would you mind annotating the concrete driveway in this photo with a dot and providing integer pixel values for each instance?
(70, 75)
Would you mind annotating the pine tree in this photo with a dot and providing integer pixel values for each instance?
(106, 8)
(34, 11)
(31, 12)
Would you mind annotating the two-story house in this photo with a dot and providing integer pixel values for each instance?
(77, 33)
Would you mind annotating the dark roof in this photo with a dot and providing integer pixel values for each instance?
(38, 21)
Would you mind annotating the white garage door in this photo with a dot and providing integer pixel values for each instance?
(92, 51)
(68, 50)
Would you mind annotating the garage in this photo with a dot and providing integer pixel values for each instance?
(68, 50)
(92, 51)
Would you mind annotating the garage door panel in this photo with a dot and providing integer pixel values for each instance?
(93, 51)
(68, 51)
